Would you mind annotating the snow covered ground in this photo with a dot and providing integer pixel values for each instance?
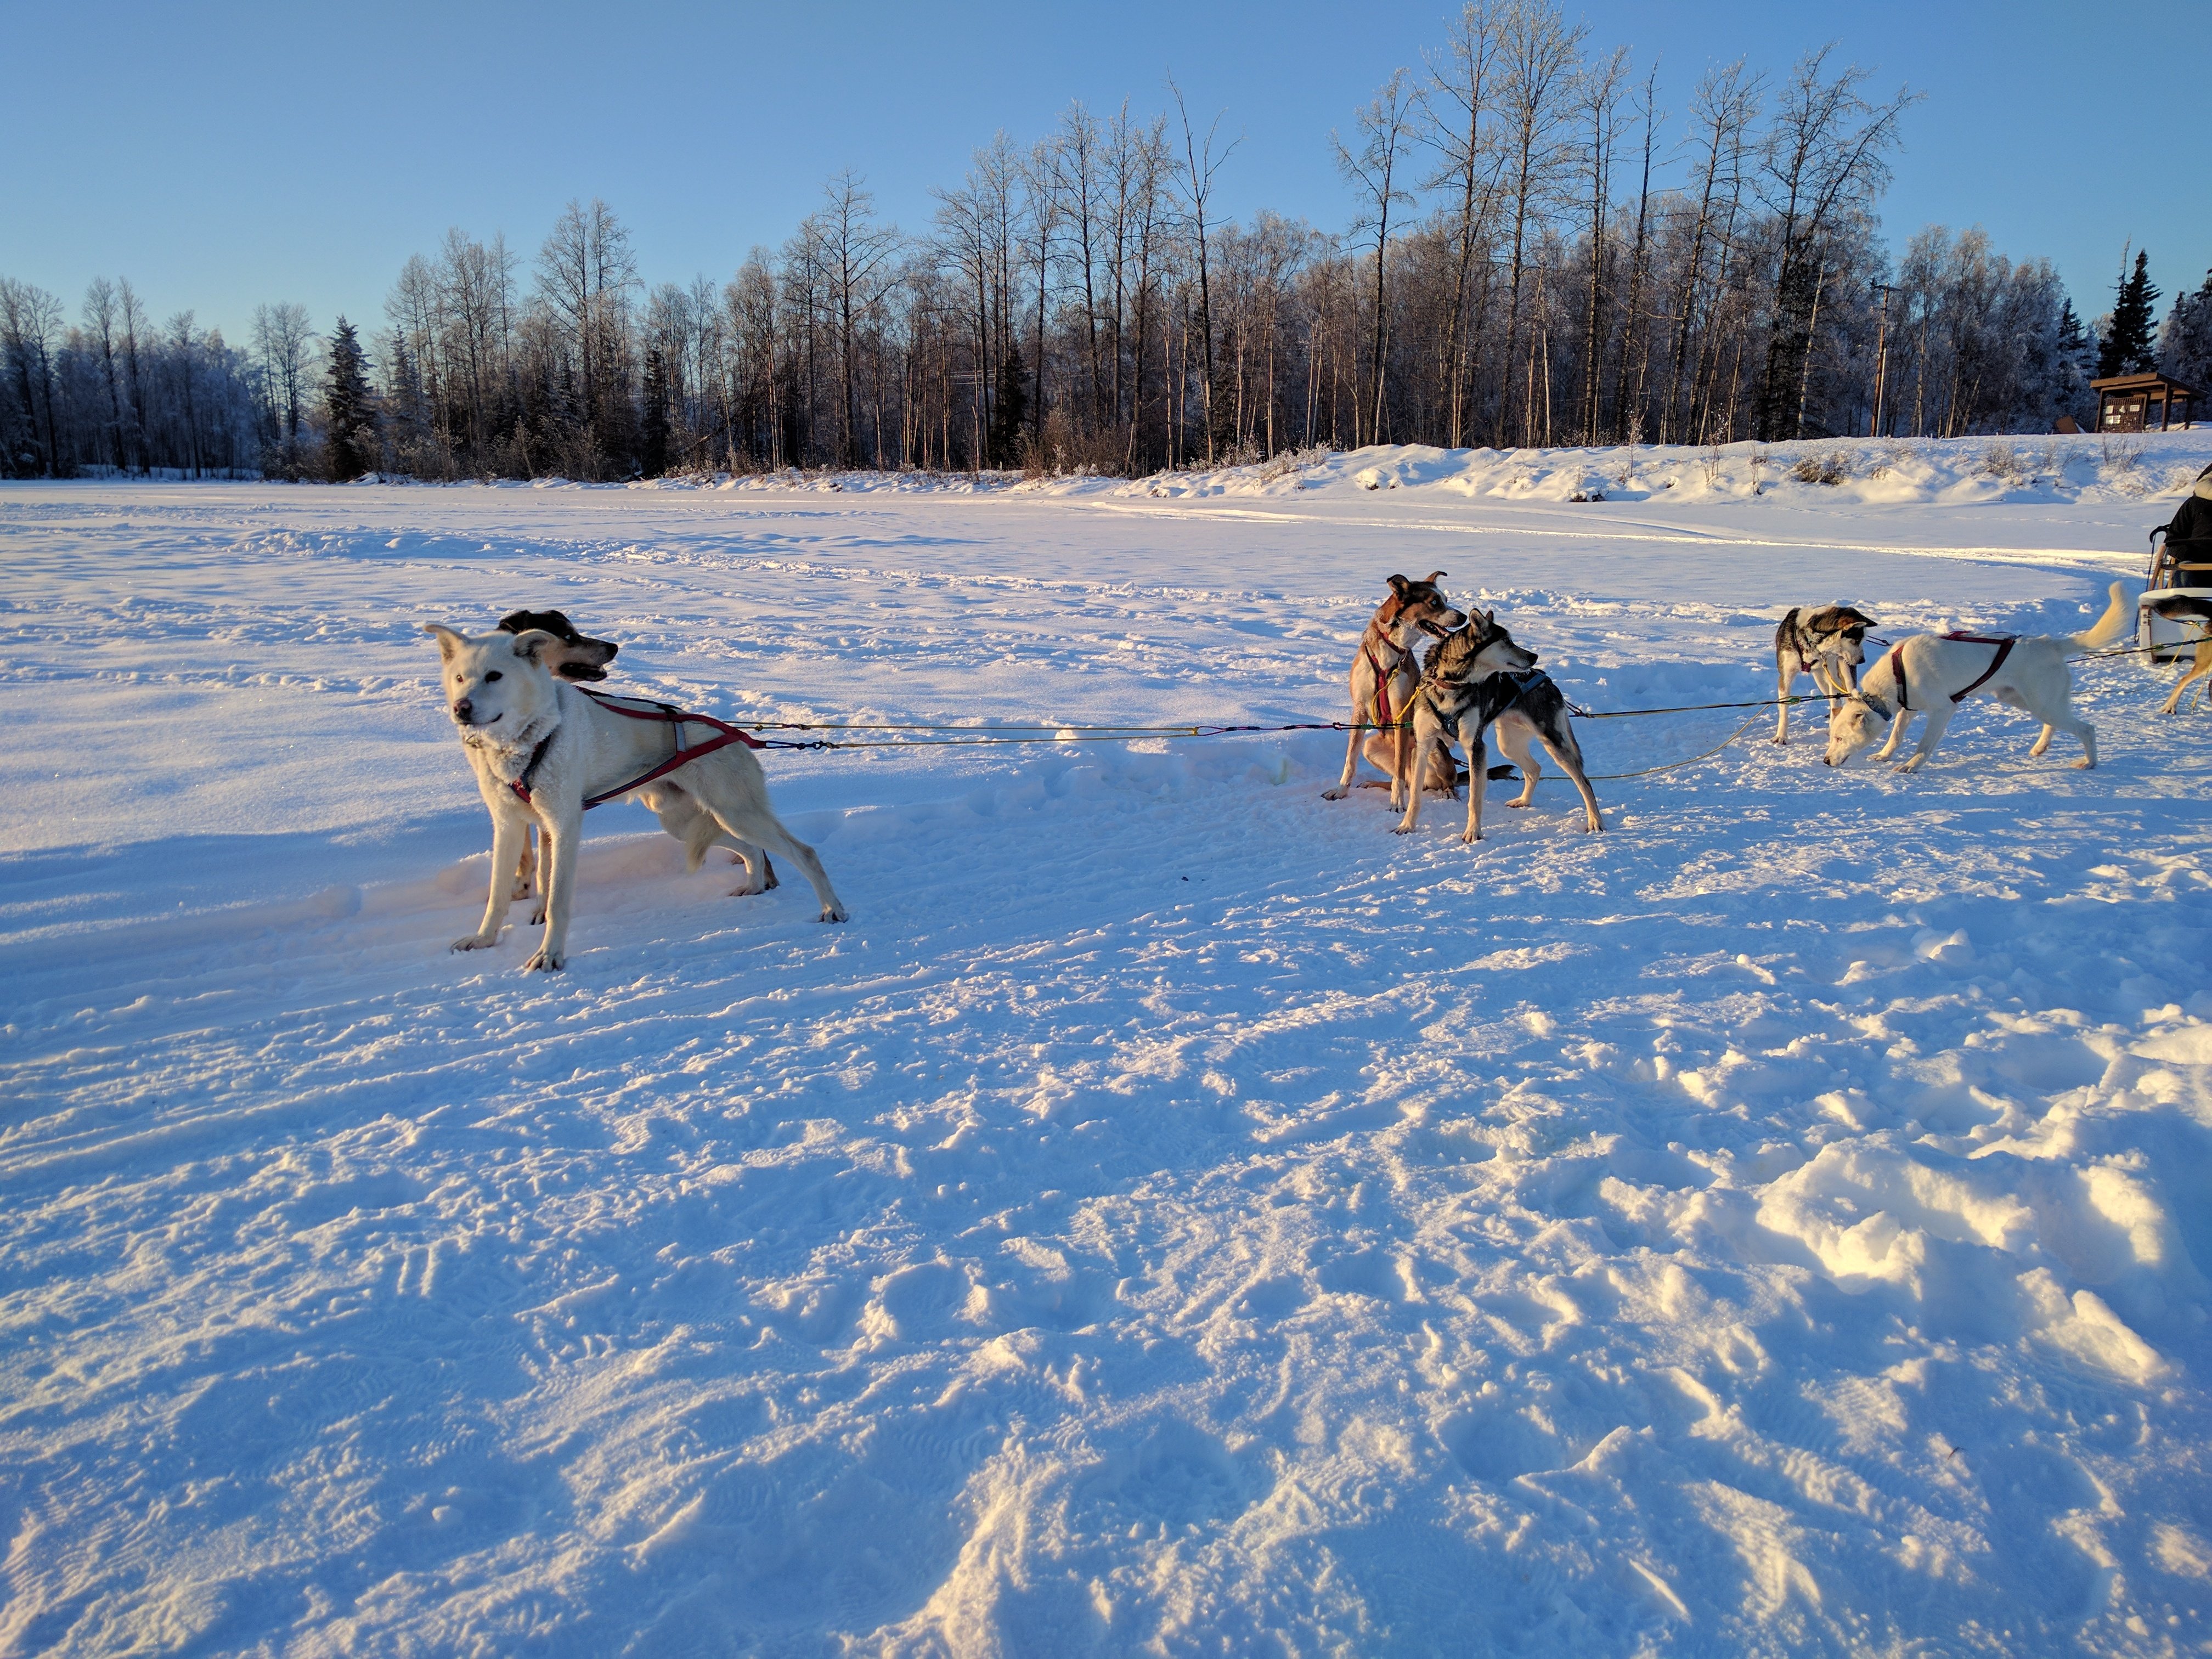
(1175, 1214)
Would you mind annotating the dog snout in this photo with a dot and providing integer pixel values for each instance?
(465, 711)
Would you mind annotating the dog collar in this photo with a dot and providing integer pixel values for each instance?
(521, 785)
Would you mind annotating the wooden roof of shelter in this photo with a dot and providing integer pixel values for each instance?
(2142, 383)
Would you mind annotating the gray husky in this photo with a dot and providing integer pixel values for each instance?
(1478, 678)
(1827, 641)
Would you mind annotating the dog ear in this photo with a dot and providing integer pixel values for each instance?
(1399, 584)
(1434, 575)
(536, 645)
(447, 638)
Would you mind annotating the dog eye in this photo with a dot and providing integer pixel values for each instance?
(492, 676)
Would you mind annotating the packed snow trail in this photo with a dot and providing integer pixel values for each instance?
(1175, 1213)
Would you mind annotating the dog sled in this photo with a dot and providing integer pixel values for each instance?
(2180, 567)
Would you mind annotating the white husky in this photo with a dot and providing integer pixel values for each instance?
(1933, 673)
(540, 747)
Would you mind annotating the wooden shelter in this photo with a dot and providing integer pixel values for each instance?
(2142, 403)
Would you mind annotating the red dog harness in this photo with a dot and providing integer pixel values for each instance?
(2004, 643)
(1382, 687)
(726, 735)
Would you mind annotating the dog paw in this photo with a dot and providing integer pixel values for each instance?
(1469, 837)
(475, 942)
(538, 917)
(835, 913)
(1402, 829)
(545, 962)
(1337, 793)
(1516, 805)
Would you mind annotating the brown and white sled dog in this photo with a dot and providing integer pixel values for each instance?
(1385, 671)
(1827, 641)
(2188, 608)
(522, 726)
(1932, 674)
(1479, 677)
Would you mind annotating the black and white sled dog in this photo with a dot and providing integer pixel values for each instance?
(1827, 641)
(1932, 674)
(1478, 678)
(581, 657)
(539, 746)
(1384, 671)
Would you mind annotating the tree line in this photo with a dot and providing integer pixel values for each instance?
(1539, 254)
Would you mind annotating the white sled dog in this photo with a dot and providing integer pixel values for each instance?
(1933, 673)
(540, 746)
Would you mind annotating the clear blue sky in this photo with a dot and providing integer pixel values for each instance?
(222, 155)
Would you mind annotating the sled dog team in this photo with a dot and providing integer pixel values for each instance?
(544, 749)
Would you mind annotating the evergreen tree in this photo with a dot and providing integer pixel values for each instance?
(2127, 348)
(1012, 408)
(2186, 346)
(2075, 351)
(653, 443)
(348, 409)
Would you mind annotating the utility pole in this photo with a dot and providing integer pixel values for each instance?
(1880, 356)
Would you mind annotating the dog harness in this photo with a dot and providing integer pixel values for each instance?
(2004, 643)
(726, 735)
(1383, 681)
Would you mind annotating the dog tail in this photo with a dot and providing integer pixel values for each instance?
(2110, 626)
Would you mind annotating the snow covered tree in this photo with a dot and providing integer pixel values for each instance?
(2184, 344)
(2127, 344)
(348, 409)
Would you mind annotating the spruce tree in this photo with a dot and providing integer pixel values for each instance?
(2074, 352)
(348, 409)
(653, 439)
(1013, 407)
(2127, 348)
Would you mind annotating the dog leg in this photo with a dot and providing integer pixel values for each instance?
(508, 835)
(1513, 735)
(1470, 740)
(2056, 713)
(525, 871)
(561, 844)
(1896, 734)
(1785, 674)
(754, 824)
(2066, 721)
(1403, 779)
(760, 869)
(1361, 716)
(1569, 754)
(1931, 733)
(2197, 671)
(1426, 733)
